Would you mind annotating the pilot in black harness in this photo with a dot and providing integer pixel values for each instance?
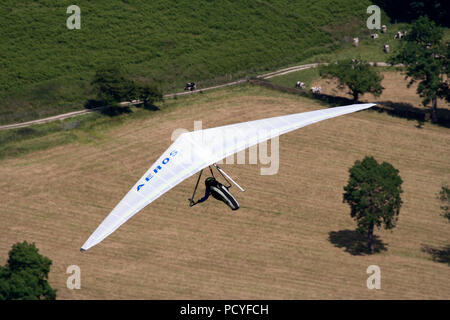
(218, 191)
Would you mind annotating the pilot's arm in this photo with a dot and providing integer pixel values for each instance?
(207, 193)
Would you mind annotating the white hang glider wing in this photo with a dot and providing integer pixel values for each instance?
(196, 150)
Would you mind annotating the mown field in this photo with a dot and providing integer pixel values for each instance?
(291, 238)
(46, 68)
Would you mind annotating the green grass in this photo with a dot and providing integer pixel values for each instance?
(21, 141)
(289, 80)
(368, 50)
(46, 68)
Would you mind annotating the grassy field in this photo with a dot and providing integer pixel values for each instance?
(46, 68)
(289, 80)
(291, 238)
(368, 50)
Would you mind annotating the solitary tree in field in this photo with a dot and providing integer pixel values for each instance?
(359, 76)
(25, 275)
(373, 193)
(444, 196)
(426, 58)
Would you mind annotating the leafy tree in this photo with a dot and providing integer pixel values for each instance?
(426, 58)
(112, 86)
(359, 76)
(25, 275)
(444, 196)
(373, 193)
(407, 10)
(149, 94)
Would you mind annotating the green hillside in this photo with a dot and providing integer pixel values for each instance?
(46, 68)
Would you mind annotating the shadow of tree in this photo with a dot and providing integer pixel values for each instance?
(102, 107)
(94, 103)
(410, 112)
(396, 109)
(354, 242)
(331, 101)
(113, 111)
(438, 254)
(148, 106)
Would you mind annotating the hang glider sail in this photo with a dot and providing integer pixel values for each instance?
(196, 150)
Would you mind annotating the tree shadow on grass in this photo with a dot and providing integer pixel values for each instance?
(410, 112)
(438, 254)
(94, 103)
(395, 109)
(108, 110)
(148, 106)
(331, 101)
(354, 242)
(103, 108)
(113, 111)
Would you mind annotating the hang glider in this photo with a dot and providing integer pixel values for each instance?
(193, 151)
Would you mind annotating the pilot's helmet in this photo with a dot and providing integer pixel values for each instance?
(210, 181)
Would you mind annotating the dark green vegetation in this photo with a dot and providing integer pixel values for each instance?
(357, 75)
(47, 69)
(25, 275)
(444, 196)
(407, 10)
(373, 194)
(427, 57)
(112, 87)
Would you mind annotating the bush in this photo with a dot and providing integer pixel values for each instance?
(148, 93)
(112, 87)
(25, 275)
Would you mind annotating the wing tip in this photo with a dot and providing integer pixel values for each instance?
(82, 250)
